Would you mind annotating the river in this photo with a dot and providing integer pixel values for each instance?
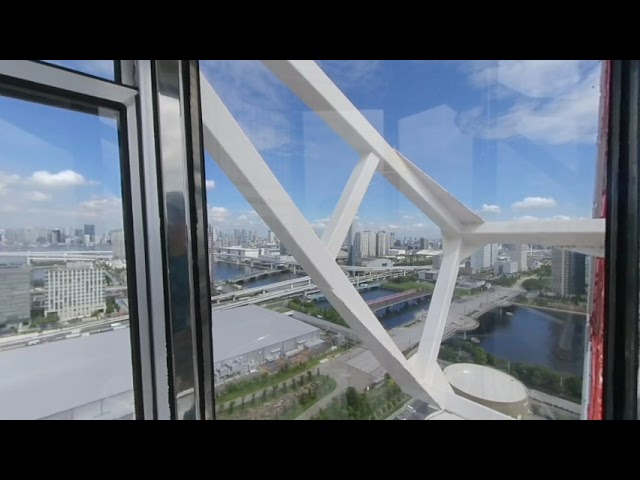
(223, 271)
(531, 335)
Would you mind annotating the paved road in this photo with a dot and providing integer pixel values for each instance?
(555, 401)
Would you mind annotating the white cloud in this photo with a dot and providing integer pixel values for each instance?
(63, 179)
(102, 203)
(534, 202)
(256, 98)
(320, 225)
(529, 218)
(361, 74)
(418, 225)
(407, 217)
(7, 179)
(490, 208)
(392, 227)
(218, 214)
(210, 184)
(38, 196)
(243, 217)
(552, 102)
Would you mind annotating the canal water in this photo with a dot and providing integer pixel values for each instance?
(223, 271)
(532, 336)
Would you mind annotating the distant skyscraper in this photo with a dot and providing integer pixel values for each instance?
(90, 230)
(382, 244)
(15, 293)
(283, 249)
(392, 239)
(353, 244)
(117, 243)
(56, 235)
(567, 272)
(271, 238)
(484, 257)
(424, 244)
(520, 255)
(75, 290)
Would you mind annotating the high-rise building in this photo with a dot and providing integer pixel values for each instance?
(520, 253)
(567, 272)
(392, 239)
(56, 236)
(382, 244)
(75, 290)
(90, 230)
(117, 243)
(424, 243)
(15, 293)
(367, 248)
(484, 257)
(353, 245)
(283, 249)
(271, 238)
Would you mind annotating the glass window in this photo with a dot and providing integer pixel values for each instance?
(97, 68)
(65, 350)
(513, 141)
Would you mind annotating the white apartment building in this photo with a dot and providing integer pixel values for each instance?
(484, 258)
(75, 290)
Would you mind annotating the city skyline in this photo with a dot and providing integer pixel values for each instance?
(514, 139)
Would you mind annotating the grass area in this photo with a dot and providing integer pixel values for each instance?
(287, 401)
(310, 308)
(246, 387)
(405, 286)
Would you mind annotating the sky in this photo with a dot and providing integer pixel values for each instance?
(510, 139)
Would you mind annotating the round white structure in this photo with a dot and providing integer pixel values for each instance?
(489, 387)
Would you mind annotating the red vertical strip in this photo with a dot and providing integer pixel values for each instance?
(597, 318)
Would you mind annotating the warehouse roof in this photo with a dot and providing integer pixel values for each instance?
(53, 377)
(245, 329)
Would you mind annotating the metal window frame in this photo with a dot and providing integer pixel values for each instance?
(56, 86)
(620, 377)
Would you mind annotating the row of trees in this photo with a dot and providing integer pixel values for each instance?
(310, 308)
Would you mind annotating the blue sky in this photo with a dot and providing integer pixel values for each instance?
(510, 139)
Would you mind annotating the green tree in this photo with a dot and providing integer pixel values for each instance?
(253, 398)
(273, 390)
(309, 375)
(573, 387)
(479, 356)
(318, 372)
(264, 395)
(231, 404)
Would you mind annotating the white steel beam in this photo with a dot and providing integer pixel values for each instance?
(317, 90)
(349, 202)
(587, 233)
(425, 360)
(238, 158)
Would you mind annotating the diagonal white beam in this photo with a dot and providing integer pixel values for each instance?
(582, 233)
(317, 90)
(425, 359)
(238, 158)
(349, 202)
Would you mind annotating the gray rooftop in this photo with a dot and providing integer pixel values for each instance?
(44, 379)
(244, 329)
(52, 377)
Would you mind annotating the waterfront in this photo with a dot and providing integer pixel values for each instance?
(531, 336)
(224, 271)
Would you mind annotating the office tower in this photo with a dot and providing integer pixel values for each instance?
(567, 272)
(15, 294)
(382, 244)
(484, 257)
(75, 290)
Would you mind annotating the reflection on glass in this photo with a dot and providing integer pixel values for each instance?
(64, 321)
(98, 68)
(511, 140)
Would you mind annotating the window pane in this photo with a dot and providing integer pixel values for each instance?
(98, 68)
(65, 349)
(513, 141)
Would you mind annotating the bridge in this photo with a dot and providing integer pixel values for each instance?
(257, 275)
(278, 290)
(397, 298)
